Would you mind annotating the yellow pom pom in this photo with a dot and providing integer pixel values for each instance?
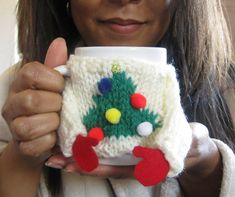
(113, 115)
(116, 68)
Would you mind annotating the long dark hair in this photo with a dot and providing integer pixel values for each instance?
(198, 44)
(200, 47)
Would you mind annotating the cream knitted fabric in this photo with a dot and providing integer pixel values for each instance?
(157, 82)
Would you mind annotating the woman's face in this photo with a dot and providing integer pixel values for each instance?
(121, 22)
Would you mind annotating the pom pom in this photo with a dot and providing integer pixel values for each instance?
(138, 101)
(116, 68)
(96, 133)
(105, 85)
(113, 115)
(153, 168)
(144, 128)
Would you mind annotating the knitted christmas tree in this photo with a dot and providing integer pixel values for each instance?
(119, 111)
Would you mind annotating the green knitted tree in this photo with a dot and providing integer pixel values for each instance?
(119, 111)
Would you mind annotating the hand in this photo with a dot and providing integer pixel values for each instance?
(60, 162)
(202, 159)
(203, 166)
(203, 156)
(34, 100)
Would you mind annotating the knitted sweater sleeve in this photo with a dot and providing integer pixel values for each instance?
(5, 80)
(228, 189)
(228, 180)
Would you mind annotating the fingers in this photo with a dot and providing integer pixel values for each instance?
(23, 99)
(60, 162)
(28, 128)
(104, 171)
(35, 139)
(203, 154)
(199, 130)
(31, 102)
(34, 100)
(35, 75)
(35, 148)
(56, 53)
(57, 161)
(199, 133)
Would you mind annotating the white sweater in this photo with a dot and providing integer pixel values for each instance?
(75, 184)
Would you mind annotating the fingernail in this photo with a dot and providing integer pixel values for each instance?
(51, 165)
(63, 70)
(69, 169)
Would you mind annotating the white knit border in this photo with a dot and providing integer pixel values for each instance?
(228, 158)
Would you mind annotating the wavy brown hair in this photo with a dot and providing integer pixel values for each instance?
(198, 44)
(200, 47)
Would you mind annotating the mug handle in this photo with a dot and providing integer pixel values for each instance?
(63, 70)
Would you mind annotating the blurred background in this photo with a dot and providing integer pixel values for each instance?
(8, 43)
(8, 30)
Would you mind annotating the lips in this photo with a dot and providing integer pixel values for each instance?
(122, 26)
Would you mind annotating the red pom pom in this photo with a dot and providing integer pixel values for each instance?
(153, 168)
(138, 101)
(83, 153)
(96, 133)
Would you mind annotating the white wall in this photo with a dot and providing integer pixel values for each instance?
(7, 33)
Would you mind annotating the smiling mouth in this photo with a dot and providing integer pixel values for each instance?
(121, 26)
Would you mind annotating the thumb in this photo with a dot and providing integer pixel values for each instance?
(56, 53)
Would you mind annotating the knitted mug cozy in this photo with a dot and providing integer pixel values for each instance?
(124, 111)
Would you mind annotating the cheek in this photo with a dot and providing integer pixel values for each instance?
(164, 18)
(163, 9)
(160, 24)
(83, 10)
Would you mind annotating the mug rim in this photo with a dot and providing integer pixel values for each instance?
(151, 54)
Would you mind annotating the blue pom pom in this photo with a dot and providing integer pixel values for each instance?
(105, 85)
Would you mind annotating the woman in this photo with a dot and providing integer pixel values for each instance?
(198, 44)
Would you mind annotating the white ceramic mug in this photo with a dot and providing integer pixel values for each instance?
(123, 97)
